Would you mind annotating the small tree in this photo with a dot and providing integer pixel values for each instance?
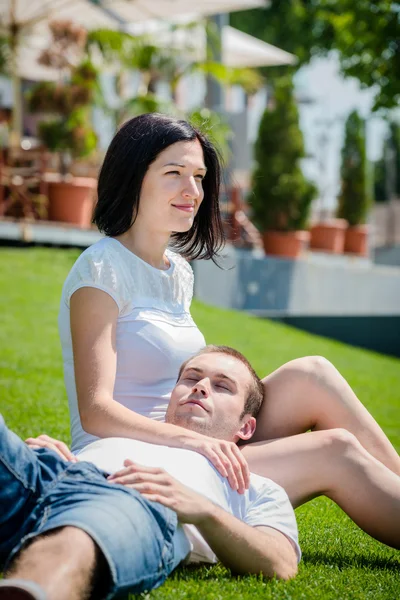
(281, 195)
(354, 199)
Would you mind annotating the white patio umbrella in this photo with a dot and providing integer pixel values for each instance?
(25, 24)
(242, 50)
(142, 10)
(238, 49)
(23, 19)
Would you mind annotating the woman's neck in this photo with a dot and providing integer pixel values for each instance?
(150, 246)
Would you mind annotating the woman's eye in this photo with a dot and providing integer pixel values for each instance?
(200, 177)
(172, 173)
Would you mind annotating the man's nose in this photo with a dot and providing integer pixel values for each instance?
(200, 388)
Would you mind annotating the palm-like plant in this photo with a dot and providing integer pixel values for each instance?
(125, 52)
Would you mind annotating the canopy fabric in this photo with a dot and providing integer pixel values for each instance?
(94, 14)
(142, 10)
(242, 50)
(27, 14)
(238, 49)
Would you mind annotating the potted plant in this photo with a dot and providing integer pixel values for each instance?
(281, 196)
(67, 130)
(329, 235)
(354, 199)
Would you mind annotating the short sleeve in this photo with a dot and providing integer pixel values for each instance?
(271, 508)
(97, 268)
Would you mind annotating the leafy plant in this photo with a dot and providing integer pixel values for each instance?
(68, 100)
(281, 196)
(214, 126)
(157, 59)
(364, 34)
(354, 198)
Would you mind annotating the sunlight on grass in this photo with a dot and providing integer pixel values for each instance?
(339, 560)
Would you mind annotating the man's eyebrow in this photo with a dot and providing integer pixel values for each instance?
(223, 376)
(174, 164)
(217, 375)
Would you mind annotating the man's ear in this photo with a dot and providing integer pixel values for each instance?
(247, 428)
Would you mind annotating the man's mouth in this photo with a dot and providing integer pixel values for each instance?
(185, 207)
(195, 402)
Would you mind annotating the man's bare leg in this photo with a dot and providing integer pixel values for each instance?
(333, 463)
(63, 563)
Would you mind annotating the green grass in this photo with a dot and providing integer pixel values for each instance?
(339, 560)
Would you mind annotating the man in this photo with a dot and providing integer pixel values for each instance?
(68, 529)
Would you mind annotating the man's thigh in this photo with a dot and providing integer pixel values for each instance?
(137, 537)
(24, 477)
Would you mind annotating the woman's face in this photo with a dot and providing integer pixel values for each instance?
(172, 188)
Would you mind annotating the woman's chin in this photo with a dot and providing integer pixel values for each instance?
(183, 226)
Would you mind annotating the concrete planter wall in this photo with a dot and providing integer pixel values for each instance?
(311, 290)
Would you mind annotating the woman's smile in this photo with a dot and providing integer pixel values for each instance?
(185, 207)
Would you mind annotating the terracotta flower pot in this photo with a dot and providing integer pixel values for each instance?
(356, 240)
(72, 201)
(329, 236)
(289, 244)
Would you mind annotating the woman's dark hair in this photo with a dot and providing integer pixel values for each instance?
(134, 147)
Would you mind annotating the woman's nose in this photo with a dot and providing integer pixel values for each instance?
(190, 190)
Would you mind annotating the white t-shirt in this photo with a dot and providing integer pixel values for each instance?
(265, 503)
(155, 331)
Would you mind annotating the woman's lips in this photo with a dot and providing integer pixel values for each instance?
(184, 207)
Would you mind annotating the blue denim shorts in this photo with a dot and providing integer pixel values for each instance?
(40, 492)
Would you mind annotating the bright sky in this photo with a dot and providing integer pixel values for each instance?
(335, 97)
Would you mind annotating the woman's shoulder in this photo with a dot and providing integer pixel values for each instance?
(100, 266)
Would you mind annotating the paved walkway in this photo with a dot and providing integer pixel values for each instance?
(46, 232)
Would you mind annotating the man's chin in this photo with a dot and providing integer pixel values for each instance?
(191, 421)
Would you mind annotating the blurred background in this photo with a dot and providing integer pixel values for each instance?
(302, 98)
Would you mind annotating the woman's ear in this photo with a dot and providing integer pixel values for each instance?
(247, 428)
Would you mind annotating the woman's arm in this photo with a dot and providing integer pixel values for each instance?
(93, 328)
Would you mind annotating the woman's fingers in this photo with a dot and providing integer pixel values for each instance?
(32, 443)
(45, 441)
(243, 465)
(237, 470)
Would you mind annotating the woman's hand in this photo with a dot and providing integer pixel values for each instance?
(45, 441)
(226, 458)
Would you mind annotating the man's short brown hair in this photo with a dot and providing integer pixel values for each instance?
(255, 394)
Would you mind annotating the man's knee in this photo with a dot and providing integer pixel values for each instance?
(69, 539)
(340, 442)
(316, 366)
(306, 367)
(62, 543)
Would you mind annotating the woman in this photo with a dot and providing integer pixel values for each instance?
(125, 326)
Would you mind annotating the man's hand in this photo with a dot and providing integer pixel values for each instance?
(157, 485)
(45, 441)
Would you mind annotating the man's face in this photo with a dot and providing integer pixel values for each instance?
(209, 397)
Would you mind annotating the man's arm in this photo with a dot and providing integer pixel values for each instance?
(240, 547)
(246, 549)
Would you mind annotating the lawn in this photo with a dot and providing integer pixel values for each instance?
(339, 560)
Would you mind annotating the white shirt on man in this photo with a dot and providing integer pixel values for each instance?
(265, 503)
